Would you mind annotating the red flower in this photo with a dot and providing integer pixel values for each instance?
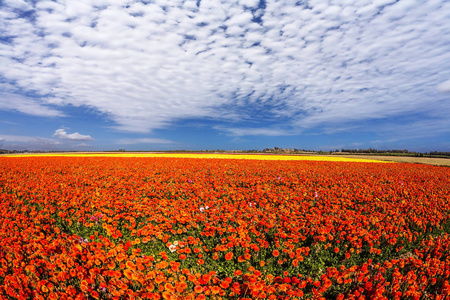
(229, 256)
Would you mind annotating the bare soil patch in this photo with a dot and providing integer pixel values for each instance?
(405, 159)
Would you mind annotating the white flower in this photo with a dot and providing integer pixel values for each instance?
(203, 208)
(172, 248)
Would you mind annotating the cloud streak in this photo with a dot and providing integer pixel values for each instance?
(62, 141)
(143, 141)
(146, 66)
(255, 131)
(25, 105)
(18, 142)
(444, 87)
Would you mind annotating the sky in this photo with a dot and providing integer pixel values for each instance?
(235, 75)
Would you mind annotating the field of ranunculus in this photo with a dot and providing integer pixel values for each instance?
(187, 228)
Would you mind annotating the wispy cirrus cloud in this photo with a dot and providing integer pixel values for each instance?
(143, 141)
(148, 65)
(61, 141)
(18, 142)
(83, 145)
(233, 131)
(26, 105)
(444, 87)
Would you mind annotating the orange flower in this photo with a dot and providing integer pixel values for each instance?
(130, 265)
(111, 265)
(168, 286)
(258, 286)
(159, 279)
(181, 286)
(224, 284)
(120, 257)
(94, 294)
(128, 273)
(361, 206)
(215, 289)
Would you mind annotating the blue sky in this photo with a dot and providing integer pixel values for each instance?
(249, 74)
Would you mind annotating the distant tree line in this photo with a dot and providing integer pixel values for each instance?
(4, 151)
(438, 153)
(370, 150)
(286, 150)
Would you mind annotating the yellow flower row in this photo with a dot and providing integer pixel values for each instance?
(209, 155)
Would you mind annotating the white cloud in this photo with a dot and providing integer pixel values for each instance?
(63, 135)
(16, 138)
(28, 139)
(30, 106)
(18, 4)
(145, 66)
(254, 131)
(9, 123)
(444, 87)
(83, 145)
(144, 141)
(249, 3)
(380, 3)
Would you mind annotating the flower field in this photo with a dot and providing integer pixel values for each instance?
(187, 228)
